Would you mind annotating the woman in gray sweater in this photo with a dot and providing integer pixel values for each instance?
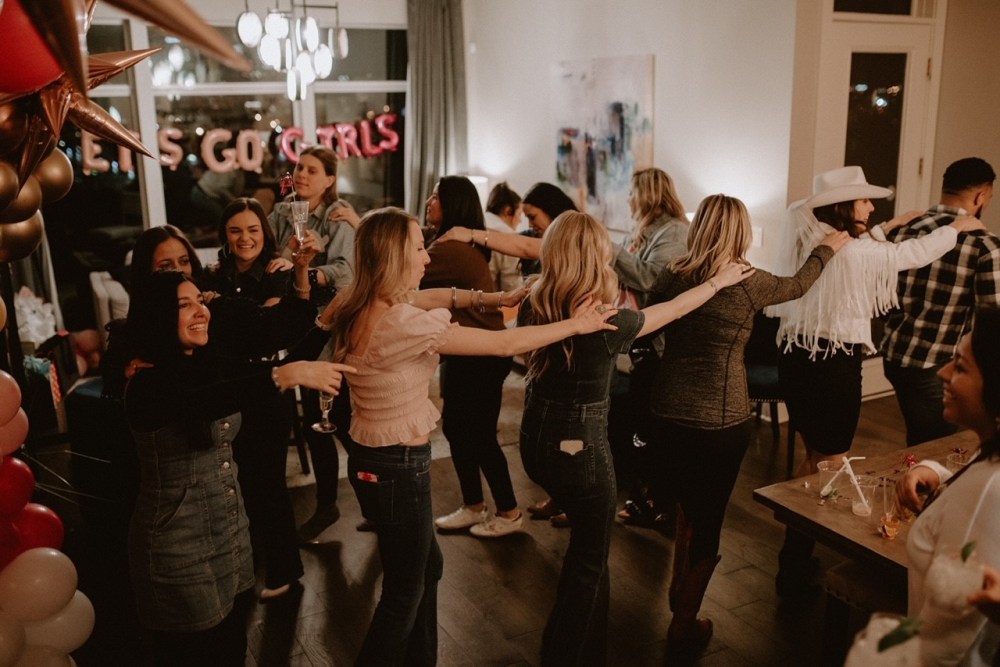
(699, 401)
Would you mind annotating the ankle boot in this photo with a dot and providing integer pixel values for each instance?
(688, 633)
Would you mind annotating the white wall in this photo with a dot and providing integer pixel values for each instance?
(723, 82)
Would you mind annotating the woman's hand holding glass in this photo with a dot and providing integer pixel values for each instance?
(322, 376)
(917, 480)
(304, 250)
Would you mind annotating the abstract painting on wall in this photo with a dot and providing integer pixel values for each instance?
(603, 108)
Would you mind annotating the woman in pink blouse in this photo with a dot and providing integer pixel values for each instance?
(381, 327)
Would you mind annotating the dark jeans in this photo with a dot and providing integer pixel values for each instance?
(703, 465)
(260, 450)
(919, 393)
(325, 460)
(583, 485)
(393, 485)
(472, 389)
(224, 645)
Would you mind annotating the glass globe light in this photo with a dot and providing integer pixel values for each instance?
(270, 51)
(323, 61)
(307, 33)
(304, 64)
(249, 29)
(276, 24)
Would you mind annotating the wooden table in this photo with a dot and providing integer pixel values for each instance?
(796, 503)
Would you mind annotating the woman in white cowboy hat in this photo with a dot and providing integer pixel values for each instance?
(825, 334)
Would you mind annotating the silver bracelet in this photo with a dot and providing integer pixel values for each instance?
(274, 379)
(454, 298)
(320, 324)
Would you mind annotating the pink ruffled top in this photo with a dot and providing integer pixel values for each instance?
(389, 397)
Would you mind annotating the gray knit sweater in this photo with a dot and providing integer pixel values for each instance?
(702, 380)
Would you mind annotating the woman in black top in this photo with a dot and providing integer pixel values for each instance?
(248, 248)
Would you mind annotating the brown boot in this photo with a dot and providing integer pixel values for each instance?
(687, 633)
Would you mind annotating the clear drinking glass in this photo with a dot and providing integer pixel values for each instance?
(300, 219)
(324, 425)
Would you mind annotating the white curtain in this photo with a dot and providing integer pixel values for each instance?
(436, 121)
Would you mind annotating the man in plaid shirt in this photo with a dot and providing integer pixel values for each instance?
(937, 301)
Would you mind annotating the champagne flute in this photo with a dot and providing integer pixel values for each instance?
(300, 219)
(324, 425)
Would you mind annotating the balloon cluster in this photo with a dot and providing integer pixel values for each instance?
(43, 617)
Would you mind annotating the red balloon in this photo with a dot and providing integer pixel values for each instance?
(27, 63)
(39, 527)
(10, 543)
(17, 483)
(14, 433)
(10, 397)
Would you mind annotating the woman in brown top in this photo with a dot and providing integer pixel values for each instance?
(699, 402)
(471, 386)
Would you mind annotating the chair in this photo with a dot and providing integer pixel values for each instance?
(761, 359)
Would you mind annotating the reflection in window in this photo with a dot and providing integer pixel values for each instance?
(874, 121)
(202, 138)
(372, 173)
(106, 39)
(895, 7)
(375, 55)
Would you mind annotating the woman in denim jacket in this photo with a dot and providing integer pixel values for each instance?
(189, 547)
(564, 444)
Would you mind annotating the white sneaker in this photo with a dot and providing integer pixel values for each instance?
(461, 518)
(498, 526)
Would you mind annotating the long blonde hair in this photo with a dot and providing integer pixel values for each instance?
(576, 264)
(720, 233)
(382, 258)
(655, 196)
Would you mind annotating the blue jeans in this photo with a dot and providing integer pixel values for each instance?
(920, 395)
(583, 485)
(393, 485)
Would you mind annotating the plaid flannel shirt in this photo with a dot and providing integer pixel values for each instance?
(937, 301)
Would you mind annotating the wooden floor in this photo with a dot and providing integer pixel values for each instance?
(495, 595)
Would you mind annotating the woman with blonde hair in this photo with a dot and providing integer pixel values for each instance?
(380, 326)
(564, 443)
(699, 405)
(659, 234)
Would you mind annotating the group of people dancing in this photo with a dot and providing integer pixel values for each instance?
(372, 306)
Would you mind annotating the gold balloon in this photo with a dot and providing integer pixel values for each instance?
(13, 125)
(19, 239)
(9, 185)
(55, 176)
(25, 205)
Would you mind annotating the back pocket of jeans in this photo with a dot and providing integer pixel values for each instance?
(574, 471)
(375, 498)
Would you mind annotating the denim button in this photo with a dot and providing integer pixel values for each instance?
(225, 443)
(230, 492)
(225, 465)
(226, 426)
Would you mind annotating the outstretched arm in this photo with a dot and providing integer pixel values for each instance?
(661, 314)
(468, 341)
(518, 245)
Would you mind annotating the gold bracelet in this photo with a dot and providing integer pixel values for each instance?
(499, 300)
(320, 324)
(454, 298)
(486, 239)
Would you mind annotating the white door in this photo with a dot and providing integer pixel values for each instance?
(873, 108)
